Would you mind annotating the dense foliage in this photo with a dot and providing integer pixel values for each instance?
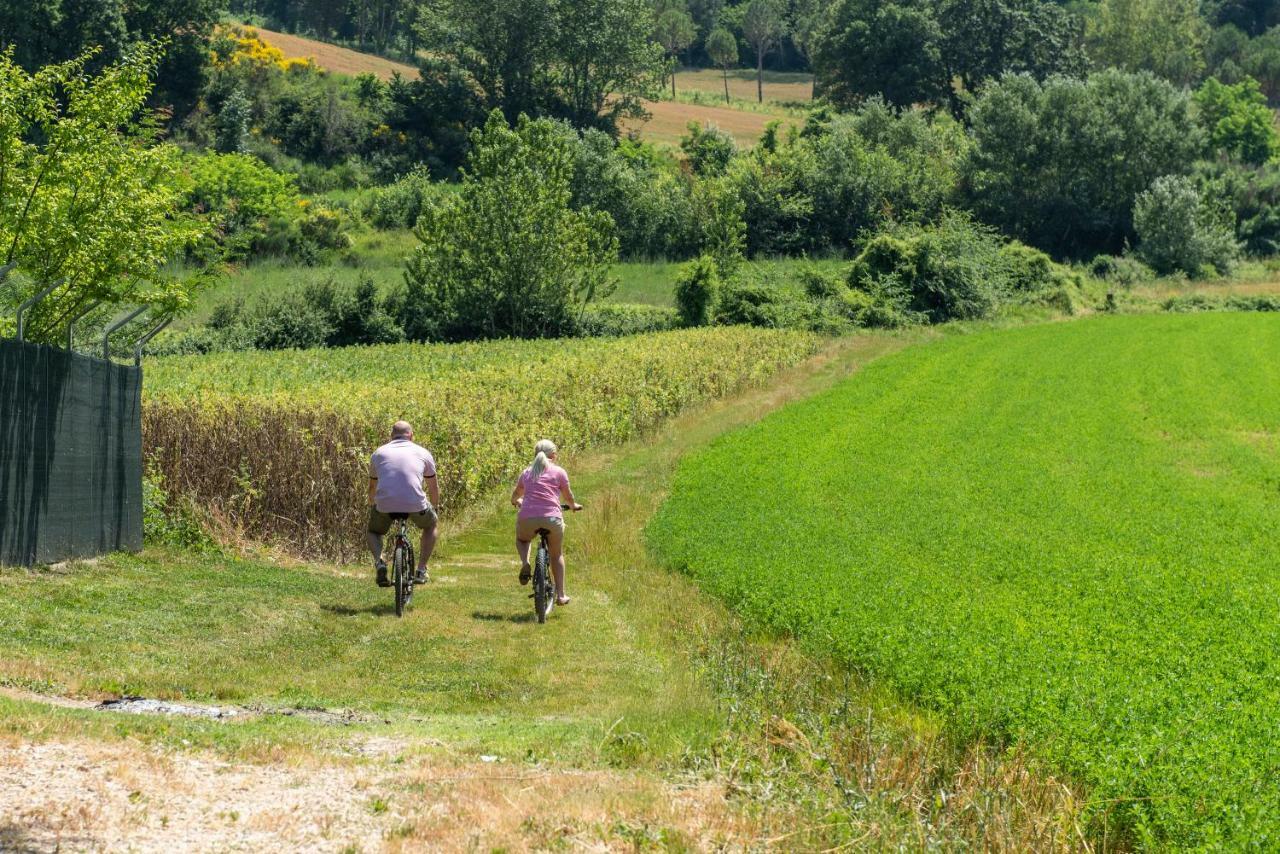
(506, 255)
(1059, 164)
(991, 527)
(310, 417)
(90, 200)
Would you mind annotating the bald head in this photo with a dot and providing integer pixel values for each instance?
(402, 430)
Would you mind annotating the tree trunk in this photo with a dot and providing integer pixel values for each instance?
(760, 75)
(726, 83)
(673, 83)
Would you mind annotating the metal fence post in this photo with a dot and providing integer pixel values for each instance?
(116, 327)
(29, 304)
(71, 324)
(146, 339)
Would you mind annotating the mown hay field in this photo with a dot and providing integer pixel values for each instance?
(1062, 537)
(338, 59)
(275, 445)
(781, 86)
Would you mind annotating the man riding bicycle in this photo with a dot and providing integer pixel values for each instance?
(398, 472)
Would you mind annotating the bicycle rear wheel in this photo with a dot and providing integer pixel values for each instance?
(403, 580)
(543, 590)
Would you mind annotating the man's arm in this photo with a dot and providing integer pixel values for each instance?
(433, 489)
(373, 490)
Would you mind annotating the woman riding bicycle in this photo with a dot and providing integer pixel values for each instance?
(539, 493)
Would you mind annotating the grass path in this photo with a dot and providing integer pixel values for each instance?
(640, 711)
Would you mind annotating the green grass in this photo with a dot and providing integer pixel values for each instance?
(380, 256)
(1062, 536)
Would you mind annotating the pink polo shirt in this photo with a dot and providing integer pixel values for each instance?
(399, 467)
(542, 496)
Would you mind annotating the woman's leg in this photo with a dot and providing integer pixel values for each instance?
(555, 547)
(523, 541)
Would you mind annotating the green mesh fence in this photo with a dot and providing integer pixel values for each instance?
(70, 455)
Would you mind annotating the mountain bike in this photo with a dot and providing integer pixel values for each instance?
(402, 562)
(544, 587)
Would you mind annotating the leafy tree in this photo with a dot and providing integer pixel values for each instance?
(675, 31)
(603, 62)
(1165, 37)
(1262, 63)
(1178, 230)
(1059, 164)
(233, 122)
(985, 39)
(1252, 193)
(882, 48)
(1237, 120)
(589, 61)
(763, 26)
(722, 47)
(506, 255)
(87, 197)
(1254, 17)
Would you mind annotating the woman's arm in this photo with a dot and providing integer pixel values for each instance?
(517, 494)
(567, 495)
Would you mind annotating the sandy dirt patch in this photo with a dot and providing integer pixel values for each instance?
(124, 796)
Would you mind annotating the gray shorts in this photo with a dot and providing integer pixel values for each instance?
(380, 523)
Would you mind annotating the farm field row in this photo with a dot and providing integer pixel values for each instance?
(272, 443)
(1059, 536)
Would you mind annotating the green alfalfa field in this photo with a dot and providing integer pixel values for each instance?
(1062, 538)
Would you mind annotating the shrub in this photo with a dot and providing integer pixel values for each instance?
(951, 271)
(1122, 270)
(754, 304)
(697, 289)
(819, 284)
(611, 320)
(251, 204)
(400, 204)
(1189, 303)
(709, 149)
(644, 191)
(1179, 231)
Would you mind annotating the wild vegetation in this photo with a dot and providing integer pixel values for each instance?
(479, 407)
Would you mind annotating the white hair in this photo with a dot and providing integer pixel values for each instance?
(543, 451)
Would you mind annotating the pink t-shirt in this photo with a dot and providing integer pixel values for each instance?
(542, 496)
(399, 467)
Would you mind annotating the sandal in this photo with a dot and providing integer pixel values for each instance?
(563, 600)
(525, 574)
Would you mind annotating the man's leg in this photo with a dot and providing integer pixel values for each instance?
(426, 547)
(377, 528)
